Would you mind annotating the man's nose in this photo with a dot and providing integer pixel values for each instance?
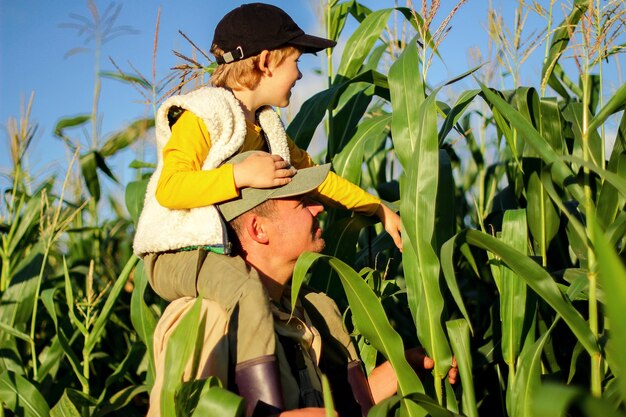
(299, 74)
(314, 207)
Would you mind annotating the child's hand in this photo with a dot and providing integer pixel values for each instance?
(392, 224)
(262, 170)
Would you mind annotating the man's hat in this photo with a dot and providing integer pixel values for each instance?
(252, 28)
(305, 180)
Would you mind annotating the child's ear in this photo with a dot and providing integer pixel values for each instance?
(264, 62)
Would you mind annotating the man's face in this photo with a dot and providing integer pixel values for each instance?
(294, 222)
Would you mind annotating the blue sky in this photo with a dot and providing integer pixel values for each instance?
(33, 45)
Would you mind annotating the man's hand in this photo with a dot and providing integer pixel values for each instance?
(392, 223)
(383, 381)
(421, 362)
(262, 170)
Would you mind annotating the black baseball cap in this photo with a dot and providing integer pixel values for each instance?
(252, 28)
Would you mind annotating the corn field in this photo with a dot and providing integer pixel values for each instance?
(512, 203)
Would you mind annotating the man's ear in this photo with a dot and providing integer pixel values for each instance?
(256, 229)
(264, 62)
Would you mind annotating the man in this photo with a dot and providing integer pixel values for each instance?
(272, 228)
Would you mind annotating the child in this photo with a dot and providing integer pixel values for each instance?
(180, 233)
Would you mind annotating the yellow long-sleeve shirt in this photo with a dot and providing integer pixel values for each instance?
(183, 183)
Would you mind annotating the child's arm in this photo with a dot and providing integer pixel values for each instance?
(338, 192)
(184, 185)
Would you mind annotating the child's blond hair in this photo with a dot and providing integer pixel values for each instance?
(245, 73)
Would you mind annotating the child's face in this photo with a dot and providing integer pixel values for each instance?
(283, 78)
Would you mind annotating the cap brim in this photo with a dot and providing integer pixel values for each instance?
(305, 181)
(312, 44)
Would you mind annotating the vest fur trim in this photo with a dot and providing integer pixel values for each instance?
(160, 229)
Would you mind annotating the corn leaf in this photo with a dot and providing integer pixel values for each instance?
(561, 172)
(513, 289)
(21, 397)
(217, 401)
(103, 317)
(348, 163)
(555, 400)
(543, 219)
(527, 381)
(47, 299)
(414, 133)
(560, 39)
(345, 121)
(458, 330)
(70, 404)
(615, 104)
(143, 318)
(126, 137)
(312, 111)
(368, 316)
(540, 281)
(612, 278)
(361, 43)
(178, 352)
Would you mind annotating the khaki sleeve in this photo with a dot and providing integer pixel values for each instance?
(213, 358)
(183, 184)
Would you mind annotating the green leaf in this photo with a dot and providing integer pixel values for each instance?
(126, 137)
(338, 15)
(526, 383)
(71, 404)
(16, 302)
(103, 317)
(407, 93)
(135, 196)
(348, 164)
(612, 277)
(120, 399)
(136, 164)
(88, 167)
(102, 165)
(70, 122)
(178, 352)
(563, 174)
(21, 397)
(368, 316)
(540, 281)
(513, 289)
(550, 126)
(47, 298)
(414, 133)
(361, 43)
(561, 37)
(127, 78)
(555, 400)
(458, 331)
(447, 265)
(143, 318)
(543, 219)
(615, 104)
(454, 114)
(329, 405)
(345, 121)
(312, 111)
(217, 401)
(26, 227)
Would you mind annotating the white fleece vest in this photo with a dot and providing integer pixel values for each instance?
(161, 229)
